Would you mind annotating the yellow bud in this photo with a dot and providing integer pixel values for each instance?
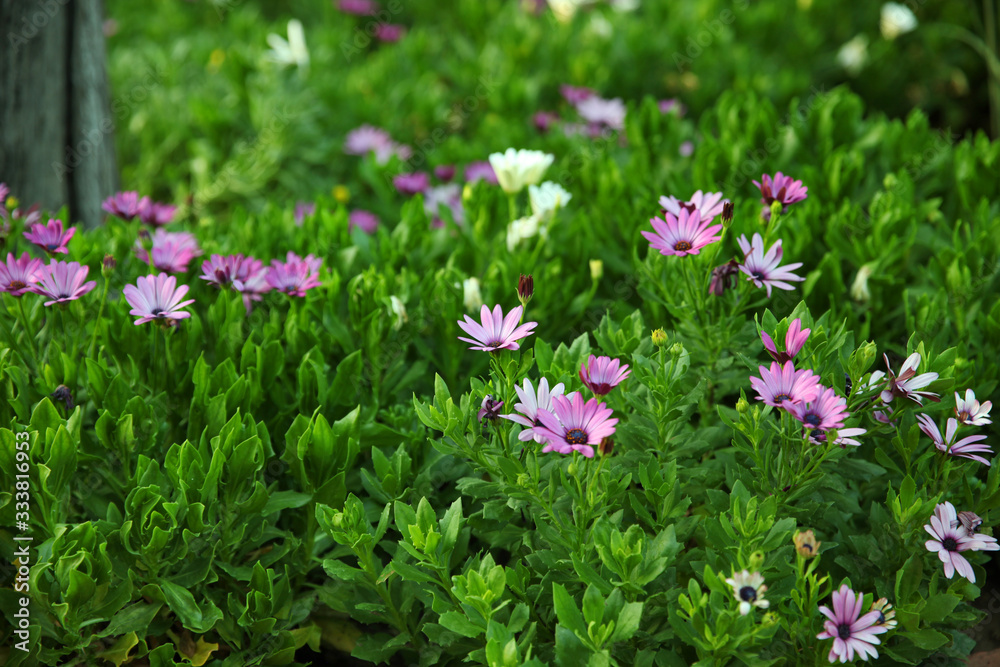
(659, 337)
(12, 202)
(742, 406)
(216, 59)
(596, 269)
(341, 193)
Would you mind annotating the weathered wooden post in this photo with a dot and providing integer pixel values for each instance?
(56, 128)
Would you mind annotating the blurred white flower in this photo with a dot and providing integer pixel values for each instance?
(859, 290)
(520, 229)
(518, 168)
(546, 198)
(600, 26)
(398, 311)
(565, 10)
(896, 20)
(471, 298)
(624, 5)
(853, 55)
(290, 52)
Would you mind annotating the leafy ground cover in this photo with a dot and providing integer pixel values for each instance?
(754, 444)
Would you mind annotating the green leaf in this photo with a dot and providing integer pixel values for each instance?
(459, 622)
(566, 610)
(182, 602)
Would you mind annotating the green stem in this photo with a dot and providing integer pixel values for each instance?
(97, 322)
(27, 333)
(512, 205)
(993, 82)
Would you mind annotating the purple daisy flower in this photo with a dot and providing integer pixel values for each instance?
(496, 331)
(62, 282)
(490, 409)
(444, 172)
(125, 205)
(681, 235)
(302, 209)
(575, 94)
(782, 385)
(155, 214)
(827, 411)
(366, 221)
(157, 298)
(763, 268)
(970, 412)
(448, 195)
(411, 184)
(850, 631)
(673, 104)
(480, 171)
(295, 275)
(250, 280)
(950, 538)
(51, 238)
(575, 426)
(172, 251)
(708, 204)
(965, 448)
(389, 32)
(18, 275)
(781, 189)
(220, 270)
(543, 120)
(845, 436)
(907, 383)
(795, 338)
(602, 374)
(531, 403)
(358, 7)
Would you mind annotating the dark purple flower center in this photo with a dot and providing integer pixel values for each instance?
(157, 312)
(759, 275)
(63, 296)
(748, 593)
(812, 419)
(950, 544)
(576, 436)
(688, 206)
(17, 284)
(682, 245)
(52, 246)
(964, 416)
(778, 398)
(600, 388)
(881, 618)
(844, 631)
(221, 276)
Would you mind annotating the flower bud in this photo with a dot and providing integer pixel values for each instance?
(727, 215)
(859, 290)
(572, 469)
(63, 394)
(606, 447)
(341, 194)
(596, 269)
(742, 406)
(12, 202)
(659, 337)
(776, 208)
(144, 237)
(525, 288)
(676, 349)
(108, 265)
(806, 544)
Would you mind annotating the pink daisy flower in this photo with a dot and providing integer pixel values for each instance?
(250, 280)
(543, 120)
(531, 403)
(172, 251)
(62, 282)
(366, 221)
(51, 238)
(780, 189)
(827, 411)
(907, 382)
(18, 275)
(850, 631)
(155, 214)
(367, 139)
(448, 195)
(490, 409)
(157, 298)
(672, 104)
(31, 216)
(602, 374)
(496, 331)
(444, 172)
(685, 234)
(411, 184)
(575, 426)
(603, 113)
(708, 204)
(296, 275)
(220, 270)
(965, 448)
(845, 436)
(795, 338)
(762, 268)
(950, 538)
(969, 411)
(125, 205)
(782, 385)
